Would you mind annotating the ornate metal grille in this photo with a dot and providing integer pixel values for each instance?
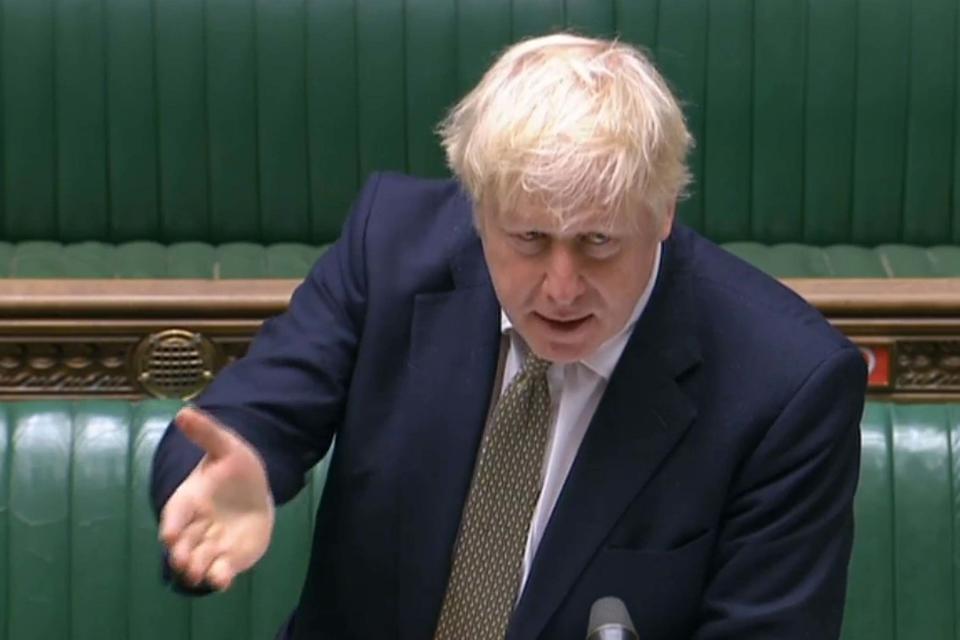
(174, 363)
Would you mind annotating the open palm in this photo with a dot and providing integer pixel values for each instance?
(219, 521)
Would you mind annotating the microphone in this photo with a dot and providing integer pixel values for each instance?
(609, 620)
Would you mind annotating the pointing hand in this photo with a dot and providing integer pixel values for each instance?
(219, 521)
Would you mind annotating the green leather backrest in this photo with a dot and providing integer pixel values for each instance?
(45, 259)
(905, 560)
(79, 554)
(817, 121)
(293, 260)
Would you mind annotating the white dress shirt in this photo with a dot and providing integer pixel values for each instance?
(575, 392)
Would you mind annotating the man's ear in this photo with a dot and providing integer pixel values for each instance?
(666, 223)
(479, 219)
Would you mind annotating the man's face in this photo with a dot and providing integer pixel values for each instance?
(567, 290)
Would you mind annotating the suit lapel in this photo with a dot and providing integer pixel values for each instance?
(452, 366)
(642, 416)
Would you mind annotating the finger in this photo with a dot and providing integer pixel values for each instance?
(220, 575)
(176, 515)
(181, 554)
(205, 432)
(200, 560)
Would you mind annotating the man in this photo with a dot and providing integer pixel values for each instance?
(543, 392)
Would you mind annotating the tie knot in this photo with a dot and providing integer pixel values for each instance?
(535, 365)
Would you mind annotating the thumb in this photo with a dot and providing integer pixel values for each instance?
(206, 432)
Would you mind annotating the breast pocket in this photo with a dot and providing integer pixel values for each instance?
(661, 588)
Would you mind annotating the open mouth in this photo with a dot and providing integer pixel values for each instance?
(564, 326)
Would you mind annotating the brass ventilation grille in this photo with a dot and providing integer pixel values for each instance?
(174, 363)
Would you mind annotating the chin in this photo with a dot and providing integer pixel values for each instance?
(558, 346)
(561, 353)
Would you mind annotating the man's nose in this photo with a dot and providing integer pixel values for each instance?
(563, 283)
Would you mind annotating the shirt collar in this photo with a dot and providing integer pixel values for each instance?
(605, 357)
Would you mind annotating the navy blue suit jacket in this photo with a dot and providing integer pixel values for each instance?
(712, 492)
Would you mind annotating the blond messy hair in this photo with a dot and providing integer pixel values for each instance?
(572, 125)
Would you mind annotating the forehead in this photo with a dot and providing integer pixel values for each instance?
(570, 224)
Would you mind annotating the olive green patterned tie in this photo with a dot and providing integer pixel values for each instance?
(488, 556)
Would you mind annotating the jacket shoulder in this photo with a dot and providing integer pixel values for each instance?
(751, 321)
(414, 229)
(405, 208)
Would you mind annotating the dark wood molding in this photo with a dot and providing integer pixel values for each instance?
(135, 338)
(144, 298)
(881, 298)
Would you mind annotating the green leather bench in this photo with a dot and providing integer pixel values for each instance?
(79, 556)
(821, 125)
(45, 259)
(293, 260)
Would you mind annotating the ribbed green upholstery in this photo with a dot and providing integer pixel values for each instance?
(847, 261)
(78, 543)
(79, 555)
(904, 562)
(817, 121)
(41, 259)
(292, 260)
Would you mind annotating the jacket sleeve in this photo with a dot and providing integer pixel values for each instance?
(286, 396)
(780, 563)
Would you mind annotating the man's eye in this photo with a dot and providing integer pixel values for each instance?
(595, 239)
(530, 236)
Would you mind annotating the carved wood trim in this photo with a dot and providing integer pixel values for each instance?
(72, 338)
(881, 298)
(144, 298)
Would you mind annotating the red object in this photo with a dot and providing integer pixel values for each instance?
(878, 364)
